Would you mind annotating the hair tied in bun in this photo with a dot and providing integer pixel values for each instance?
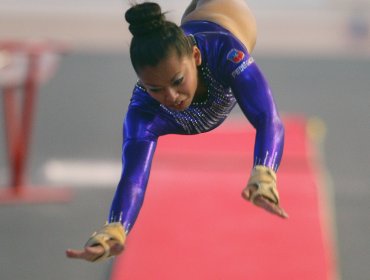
(145, 18)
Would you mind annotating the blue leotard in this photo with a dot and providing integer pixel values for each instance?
(231, 76)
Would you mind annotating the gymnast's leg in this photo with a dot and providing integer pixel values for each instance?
(234, 15)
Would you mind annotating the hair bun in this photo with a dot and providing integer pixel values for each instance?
(144, 18)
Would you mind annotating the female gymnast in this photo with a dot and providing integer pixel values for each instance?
(190, 78)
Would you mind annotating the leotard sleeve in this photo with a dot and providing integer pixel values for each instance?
(137, 153)
(253, 94)
(141, 129)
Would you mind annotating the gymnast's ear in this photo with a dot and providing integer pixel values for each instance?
(197, 56)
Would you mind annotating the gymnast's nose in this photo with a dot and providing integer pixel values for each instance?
(171, 95)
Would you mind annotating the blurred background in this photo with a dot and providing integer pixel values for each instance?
(315, 54)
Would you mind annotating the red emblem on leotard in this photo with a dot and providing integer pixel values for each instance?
(235, 55)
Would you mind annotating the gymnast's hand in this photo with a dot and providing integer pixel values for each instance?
(106, 242)
(261, 191)
(93, 253)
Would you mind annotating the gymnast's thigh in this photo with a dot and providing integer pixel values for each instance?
(234, 15)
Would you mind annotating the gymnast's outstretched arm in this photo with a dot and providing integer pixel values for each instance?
(136, 158)
(137, 154)
(257, 103)
(254, 96)
(138, 150)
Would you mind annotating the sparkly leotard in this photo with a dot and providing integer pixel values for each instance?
(231, 77)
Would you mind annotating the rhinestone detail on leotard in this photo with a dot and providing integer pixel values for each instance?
(206, 115)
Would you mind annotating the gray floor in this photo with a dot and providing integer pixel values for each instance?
(80, 114)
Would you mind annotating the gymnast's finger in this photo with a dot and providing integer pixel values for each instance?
(88, 254)
(271, 207)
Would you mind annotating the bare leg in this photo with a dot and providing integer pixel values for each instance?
(234, 15)
(190, 8)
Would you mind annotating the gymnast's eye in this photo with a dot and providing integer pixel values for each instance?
(178, 81)
(154, 90)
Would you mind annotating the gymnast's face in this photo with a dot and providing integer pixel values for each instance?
(173, 82)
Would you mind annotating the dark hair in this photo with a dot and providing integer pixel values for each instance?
(153, 36)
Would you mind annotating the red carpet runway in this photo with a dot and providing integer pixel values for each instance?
(195, 225)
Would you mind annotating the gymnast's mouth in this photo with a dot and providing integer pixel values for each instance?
(178, 106)
(178, 103)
